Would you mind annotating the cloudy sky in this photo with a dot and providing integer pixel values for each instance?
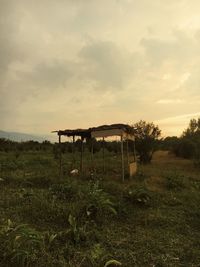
(81, 63)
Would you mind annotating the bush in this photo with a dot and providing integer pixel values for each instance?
(138, 195)
(175, 181)
(20, 245)
(185, 148)
(96, 204)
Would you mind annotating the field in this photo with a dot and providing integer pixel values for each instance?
(94, 220)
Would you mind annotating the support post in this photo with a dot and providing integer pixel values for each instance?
(103, 155)
(73, 150)
(60, 156)
(92, 153)
(127, 155)
(81, 164)
(127, 152)
(134, 152)
(122, 158)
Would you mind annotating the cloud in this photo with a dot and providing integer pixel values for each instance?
(107, 64)
(175, 125)
(92, 62)
(180, 48)
(170, 101)
(10, 49)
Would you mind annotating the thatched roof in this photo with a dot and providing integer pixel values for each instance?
(125, 127)
(87, 133)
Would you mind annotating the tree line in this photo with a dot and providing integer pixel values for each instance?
(188, 145)
(148, 140)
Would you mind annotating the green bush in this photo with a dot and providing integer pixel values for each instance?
(20, 245)
(98, 203)
(175, 181)
(138, 195)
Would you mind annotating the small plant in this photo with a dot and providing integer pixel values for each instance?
(97, 252)
(20, 245)
(112, 263)
(49, 239)
(75, 233)
(175, 181)
(138, 195)
(64, 191)
(98, 203)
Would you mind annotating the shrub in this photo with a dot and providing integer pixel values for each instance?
(98, 203)
(20, 245)
(138, 195)
(175, 181)
(76, 233)
(185, 148)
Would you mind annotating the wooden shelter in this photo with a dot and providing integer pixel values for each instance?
(124, 131)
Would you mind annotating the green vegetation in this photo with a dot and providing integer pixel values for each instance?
(146, 136)
(95, 220)
(188, 145)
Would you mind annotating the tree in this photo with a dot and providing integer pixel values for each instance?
(189, 143)
(193, 129)
(146, 136)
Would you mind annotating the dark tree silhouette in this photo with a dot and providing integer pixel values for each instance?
(146, 136)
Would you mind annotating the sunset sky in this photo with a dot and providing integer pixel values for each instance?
(82, 63)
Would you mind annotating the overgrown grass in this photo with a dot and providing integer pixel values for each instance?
(83, 222)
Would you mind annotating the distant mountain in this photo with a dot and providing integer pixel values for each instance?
(15, 136)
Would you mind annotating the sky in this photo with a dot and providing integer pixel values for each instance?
(81, 63)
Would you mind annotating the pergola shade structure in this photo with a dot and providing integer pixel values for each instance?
(124, 131)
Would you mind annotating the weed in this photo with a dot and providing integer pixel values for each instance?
(64, 191)
(98, 203)
(175, 181)
(19, 244)
(76, 233)
(138, 195)
(112, 263)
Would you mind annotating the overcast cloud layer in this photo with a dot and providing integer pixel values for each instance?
(81, 63)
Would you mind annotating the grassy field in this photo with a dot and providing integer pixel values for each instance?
(95, 220)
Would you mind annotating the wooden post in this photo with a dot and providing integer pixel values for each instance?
(92, 153)
(81, 164)
(60, 157)
(73, 151)
(103, 156)
(134, 152)
(127, 152)
(122, 158)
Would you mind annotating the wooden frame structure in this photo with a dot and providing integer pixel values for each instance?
(124, 131)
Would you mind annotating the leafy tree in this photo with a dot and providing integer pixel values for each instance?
(146, 136)
(193, 128)
(189, 144)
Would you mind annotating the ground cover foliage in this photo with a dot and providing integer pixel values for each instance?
(96, 221)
